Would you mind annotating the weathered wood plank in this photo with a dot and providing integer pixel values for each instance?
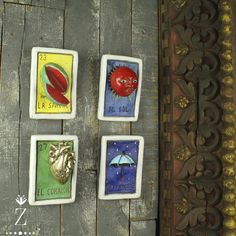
(115, 30)
(1, 19)
(141, 228)
(115, 38)
(79, 218)
(28, 2)
(10, 113)
(57, 4)
(11, 1)
(83, 35)
(145, 33)
(44, 27)
(113, 218)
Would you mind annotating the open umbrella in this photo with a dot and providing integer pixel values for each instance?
(122, 160)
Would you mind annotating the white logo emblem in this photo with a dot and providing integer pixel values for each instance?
(21, 200)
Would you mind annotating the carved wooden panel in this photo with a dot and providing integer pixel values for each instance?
(197, 113)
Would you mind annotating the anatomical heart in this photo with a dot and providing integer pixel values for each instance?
(53, 169)
(53, 83)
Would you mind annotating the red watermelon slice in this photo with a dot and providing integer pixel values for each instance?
(56, 83)
(56, 96)
(57, 79)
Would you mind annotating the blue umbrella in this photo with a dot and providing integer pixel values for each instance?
(122, 160)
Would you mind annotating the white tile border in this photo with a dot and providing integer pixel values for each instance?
(102, 174)
(33, 84)
(102, 88)
(32, 170)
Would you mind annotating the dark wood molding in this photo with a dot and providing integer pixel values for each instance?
(197, 118)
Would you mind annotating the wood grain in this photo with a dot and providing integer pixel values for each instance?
(83, 36)
(10, 114)
(115, 38)
(57, 4)
(80, 218)
(93, 28)
(1, 19)
(27, 2)
(11, 1)
(144, 46)
(42, 27)
(140, 228)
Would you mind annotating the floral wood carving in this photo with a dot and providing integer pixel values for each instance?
(192, 140)
(229, 129)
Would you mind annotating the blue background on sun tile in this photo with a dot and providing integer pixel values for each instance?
(119, 106)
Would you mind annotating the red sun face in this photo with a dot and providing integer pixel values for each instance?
(123, 81)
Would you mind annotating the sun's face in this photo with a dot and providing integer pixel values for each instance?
(123, 81)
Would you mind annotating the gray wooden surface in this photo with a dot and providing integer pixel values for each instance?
(93, 28)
